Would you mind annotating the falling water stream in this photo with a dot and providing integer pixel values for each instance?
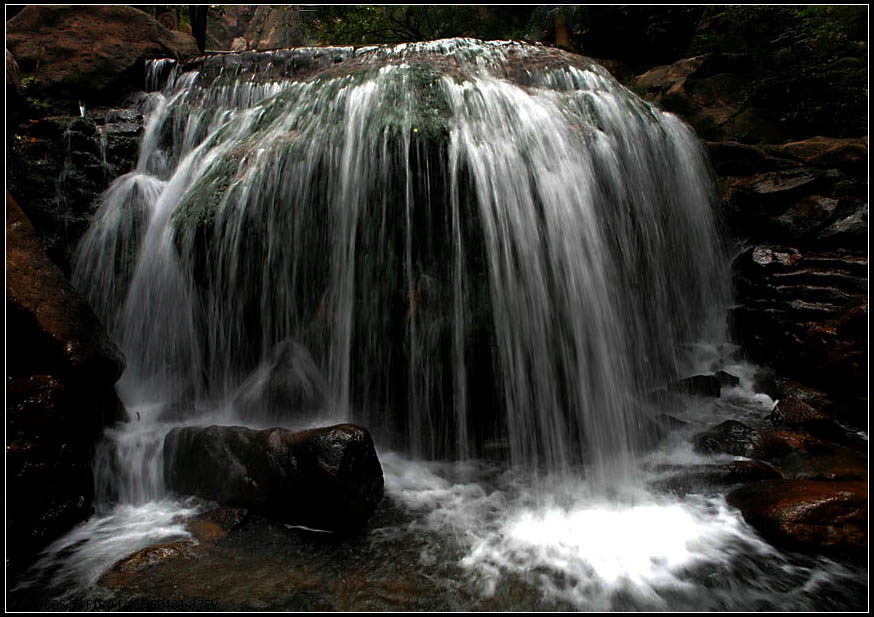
(488, 253)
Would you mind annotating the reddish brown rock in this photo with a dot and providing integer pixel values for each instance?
(89, 53)
(123, 574)
(820, 517)
(50, 329)
(839, 462)
(827, 152)
(804, 313)
(60, 369)
(707, 91)
(215, 524)
(705, 477)
(733, 437)
(794, 412)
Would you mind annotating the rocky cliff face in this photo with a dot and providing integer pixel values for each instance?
(92, 54)
(798, 211)
(59, 392)
(64, 147)
(797, 207)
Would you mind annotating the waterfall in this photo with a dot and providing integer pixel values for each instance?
(465, 246)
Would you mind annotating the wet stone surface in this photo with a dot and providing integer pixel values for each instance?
(264, 565)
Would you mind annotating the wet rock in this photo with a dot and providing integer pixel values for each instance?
(826, 152)
(124, 572)
(733, 437)
(801, 312)
(60, 368)
(215, 524)
(780, 206)
(89, 53)
(59, 166)
(285, 385)
(50, 329)
(707, 92)
(699, 385)
(805, 218)
(821, 517)
(705, 477)
(840, 462)
(795, 413)
(733, 158)
(850, 230)
(326, 478)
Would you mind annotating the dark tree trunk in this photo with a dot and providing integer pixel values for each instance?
(198, 13)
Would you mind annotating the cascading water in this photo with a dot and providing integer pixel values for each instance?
(472, 248)
(411, 222)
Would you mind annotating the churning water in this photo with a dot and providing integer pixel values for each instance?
(488, 253)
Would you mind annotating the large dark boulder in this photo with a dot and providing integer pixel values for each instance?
(819, 517)
(325, 478)
(92, 54)
(50, 329)
(60, 371)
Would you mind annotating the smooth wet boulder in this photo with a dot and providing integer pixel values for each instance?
(325, 478)
(89, 53)
(820, 517)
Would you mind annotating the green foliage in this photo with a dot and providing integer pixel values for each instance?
(38, 106)
(638, 36)
(367, 25)
(810, 62)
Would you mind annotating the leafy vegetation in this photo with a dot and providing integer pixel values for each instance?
(365, 25)
(810, 62)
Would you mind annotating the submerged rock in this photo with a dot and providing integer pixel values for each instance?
(288, 383)
(823, 517)
(326, 478)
